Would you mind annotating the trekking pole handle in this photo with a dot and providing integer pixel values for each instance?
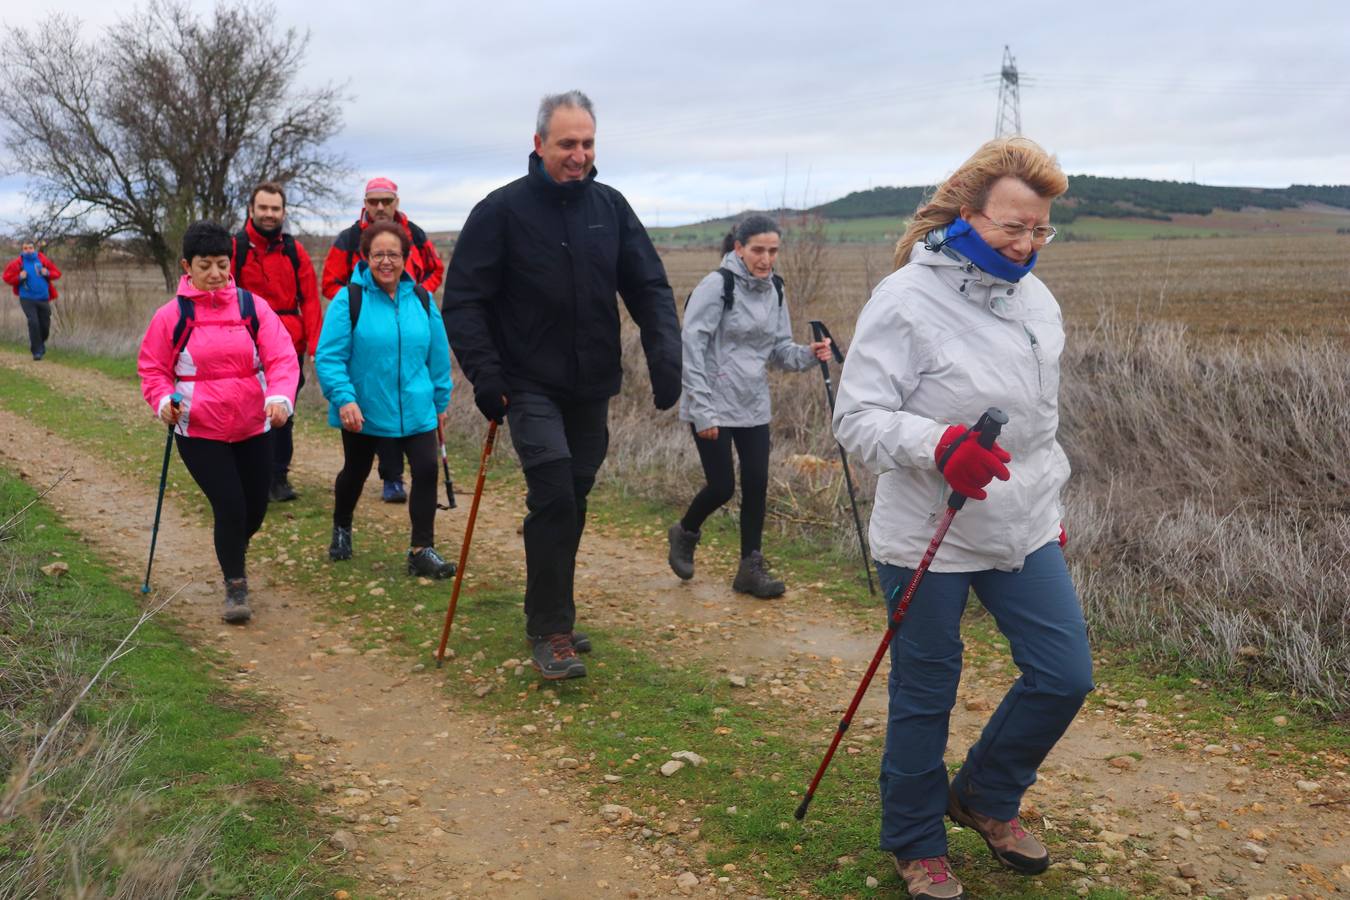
(175, 399)
(820, 333)
(988, 428)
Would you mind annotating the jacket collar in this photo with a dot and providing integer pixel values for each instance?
(227, 294)
(967, 280)
(256, 237)
(363, 274)
(542, 182)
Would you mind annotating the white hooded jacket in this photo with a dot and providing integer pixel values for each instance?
(938, 343)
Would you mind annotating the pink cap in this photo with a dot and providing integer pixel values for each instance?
(381, 186)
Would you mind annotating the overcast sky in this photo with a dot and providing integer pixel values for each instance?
(707, 108)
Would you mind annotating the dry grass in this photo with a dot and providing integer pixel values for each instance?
(1208, 512)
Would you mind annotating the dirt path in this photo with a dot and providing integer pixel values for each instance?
(1224, 815)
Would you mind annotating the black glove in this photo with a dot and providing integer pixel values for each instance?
(489, 395)
(666, 393)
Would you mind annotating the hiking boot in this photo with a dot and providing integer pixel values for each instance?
(429, 564)
(931, 877)
(581, 641)
(281, 490)
(236, 610)
(394, 493)
(1009, 843)
(556, 658)
(682, 544)
(341, 547)
(753, 578)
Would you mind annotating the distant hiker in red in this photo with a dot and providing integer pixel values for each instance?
(422, 263)
(231, 361)
(275, 267)
(33, 277)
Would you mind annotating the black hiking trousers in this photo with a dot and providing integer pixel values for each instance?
(752, 446)
(235, 477)
(39, 315)
(358, 453)
(561, 446)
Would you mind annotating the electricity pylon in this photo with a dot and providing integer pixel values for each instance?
(1009, 121)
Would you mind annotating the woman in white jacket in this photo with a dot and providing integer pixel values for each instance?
(735, 326)
(962, 325)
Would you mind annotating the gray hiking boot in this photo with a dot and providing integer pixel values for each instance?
(341, 547)
(556, 658)
(429, 564)
(236, 611)
(930, 878)
(753, 578)
(682, 544)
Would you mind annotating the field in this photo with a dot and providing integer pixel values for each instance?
(1209, 527)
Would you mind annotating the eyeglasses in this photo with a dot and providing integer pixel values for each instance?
(1042, 234)
(382, 255)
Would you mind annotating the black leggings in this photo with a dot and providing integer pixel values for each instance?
(752, 447)
(235, 478)
(358, 453)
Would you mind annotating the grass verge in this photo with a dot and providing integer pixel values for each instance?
(189, 800)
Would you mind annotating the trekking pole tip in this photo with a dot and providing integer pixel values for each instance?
(145, 588)
(801, 809)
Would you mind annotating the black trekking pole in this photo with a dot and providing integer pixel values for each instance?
(468, 537)
(988, 428)
(174, 400)
(445, 467)
(821, 333)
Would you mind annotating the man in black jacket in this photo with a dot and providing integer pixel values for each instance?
(531, 314)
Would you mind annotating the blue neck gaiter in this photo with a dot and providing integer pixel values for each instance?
(967, 241)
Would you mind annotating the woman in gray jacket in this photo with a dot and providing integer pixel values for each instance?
(735, 326)
(962, 325)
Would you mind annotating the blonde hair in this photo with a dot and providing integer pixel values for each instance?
(969, 185)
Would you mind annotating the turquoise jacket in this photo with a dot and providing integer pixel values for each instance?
(396, 366)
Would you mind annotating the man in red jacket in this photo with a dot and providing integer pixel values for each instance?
(274, 267)
(425, 267)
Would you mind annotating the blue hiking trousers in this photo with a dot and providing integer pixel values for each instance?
(1037, 609)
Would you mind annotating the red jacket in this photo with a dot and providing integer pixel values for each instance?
(423, 264)
(11, 276)
(269, 273)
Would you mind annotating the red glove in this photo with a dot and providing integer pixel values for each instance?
(1063, 538)
(966, 465)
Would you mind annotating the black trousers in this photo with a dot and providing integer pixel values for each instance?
(235, 478)
(391, 460)
(39, 315)
(752, 446)
(283, 438)
(561, 447)
(358, 454)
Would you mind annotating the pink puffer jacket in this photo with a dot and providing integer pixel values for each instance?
(224, 379)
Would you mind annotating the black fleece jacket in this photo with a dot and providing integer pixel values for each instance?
(530, 302)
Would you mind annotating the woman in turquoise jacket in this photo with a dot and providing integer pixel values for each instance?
(384, 365)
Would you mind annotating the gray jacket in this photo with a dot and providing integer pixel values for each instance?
(938, 343)
(727, 351)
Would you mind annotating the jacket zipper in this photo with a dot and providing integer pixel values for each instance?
(1040, 361)
(399, 331)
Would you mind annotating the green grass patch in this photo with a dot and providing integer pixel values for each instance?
(122, 368)
(203, 760)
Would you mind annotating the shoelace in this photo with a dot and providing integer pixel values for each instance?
(938, 872)
(562, 646)
(1017, 830)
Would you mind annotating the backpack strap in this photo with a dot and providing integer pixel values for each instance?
(422, 295)
(241, 248)
(728, 287)
(778, 285)
(248, 313)
(182, 330)
(354, 302)
(288, 248)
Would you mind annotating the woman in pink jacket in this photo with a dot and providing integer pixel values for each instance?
(232, 363)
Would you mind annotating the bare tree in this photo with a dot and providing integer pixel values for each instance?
(169, 117)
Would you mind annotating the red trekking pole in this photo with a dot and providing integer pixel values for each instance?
(988, 428)
(468, 536)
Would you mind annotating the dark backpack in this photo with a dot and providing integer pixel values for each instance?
(729, 288)
(354, 296)
(241, 248)
(349, 241)
(187, 320)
